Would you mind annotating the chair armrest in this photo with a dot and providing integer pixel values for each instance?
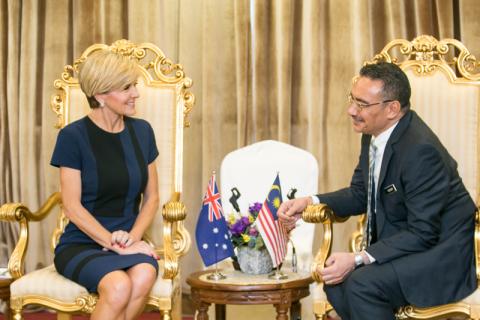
(321, 213)
(20, 213)
(176, 239)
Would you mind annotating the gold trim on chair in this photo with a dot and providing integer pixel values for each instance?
(176, 238)
(20, 213)
(425, 54)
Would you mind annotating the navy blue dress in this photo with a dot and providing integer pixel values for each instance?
(114, 173)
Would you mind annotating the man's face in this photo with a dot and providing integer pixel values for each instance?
(366, 118)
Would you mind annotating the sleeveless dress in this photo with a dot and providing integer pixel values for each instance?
(114, 173)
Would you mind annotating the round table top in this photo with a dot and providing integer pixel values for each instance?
(239, 281)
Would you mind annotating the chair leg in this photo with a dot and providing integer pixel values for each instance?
(63, 316)
(319, 316)
(17, 315)
(165, 315)
(320, 310)
(16, 308)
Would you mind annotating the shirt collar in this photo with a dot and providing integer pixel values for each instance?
(381, 140)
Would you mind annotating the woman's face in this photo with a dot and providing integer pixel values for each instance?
(121, 102)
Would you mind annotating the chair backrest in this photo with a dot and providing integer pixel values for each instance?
(164, 102)
(445, 82)
(252, 170)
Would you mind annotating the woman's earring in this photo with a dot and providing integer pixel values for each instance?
(102, 104)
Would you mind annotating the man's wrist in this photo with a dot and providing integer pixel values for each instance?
(358, 258)
(365, 257)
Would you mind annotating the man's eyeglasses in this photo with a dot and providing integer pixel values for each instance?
(361, 105)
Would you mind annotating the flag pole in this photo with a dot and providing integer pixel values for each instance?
(216, 275)
(278, 274)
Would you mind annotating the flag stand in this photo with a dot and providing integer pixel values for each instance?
(277, 274)
(217, 275)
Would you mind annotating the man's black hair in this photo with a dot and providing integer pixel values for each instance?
(395, 82)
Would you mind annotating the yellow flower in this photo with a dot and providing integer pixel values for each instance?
(245, 237)
(231, 219)
(251, 219)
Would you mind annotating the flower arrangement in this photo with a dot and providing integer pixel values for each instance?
(243, 230)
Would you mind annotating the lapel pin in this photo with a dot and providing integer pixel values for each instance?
(391, 188)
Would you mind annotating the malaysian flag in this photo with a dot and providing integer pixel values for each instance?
(213, 240)
(273, 233)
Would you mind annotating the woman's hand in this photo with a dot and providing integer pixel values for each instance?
(137, 247)
(122, 238)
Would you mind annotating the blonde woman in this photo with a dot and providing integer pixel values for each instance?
(109, 191)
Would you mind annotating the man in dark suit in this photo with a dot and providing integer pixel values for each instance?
(420, 229)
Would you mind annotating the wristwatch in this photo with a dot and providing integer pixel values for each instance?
(358, 260)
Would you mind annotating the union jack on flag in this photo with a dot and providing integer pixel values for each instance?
(213, 239)
(273, 232)
(212, 199)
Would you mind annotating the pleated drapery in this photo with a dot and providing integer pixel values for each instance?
(264, 69)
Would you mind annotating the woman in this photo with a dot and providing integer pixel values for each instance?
(107, 168)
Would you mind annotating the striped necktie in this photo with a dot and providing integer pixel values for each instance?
(370, 228)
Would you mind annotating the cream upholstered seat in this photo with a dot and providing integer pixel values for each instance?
(165, 102)
(252, 170)
(445, 83)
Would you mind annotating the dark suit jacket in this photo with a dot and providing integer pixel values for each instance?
(426, 228)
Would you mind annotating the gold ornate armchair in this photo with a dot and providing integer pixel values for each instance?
(445, 81)
(165, 102)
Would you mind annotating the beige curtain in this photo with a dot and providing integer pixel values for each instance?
(263, 69)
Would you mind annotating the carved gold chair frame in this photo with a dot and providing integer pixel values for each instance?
(157, 72)
(424, 55)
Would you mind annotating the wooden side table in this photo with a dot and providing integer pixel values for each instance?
(5, 294)
(243, 289)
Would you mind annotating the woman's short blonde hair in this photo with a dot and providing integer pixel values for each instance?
(104, 71)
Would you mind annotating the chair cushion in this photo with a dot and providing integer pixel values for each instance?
(47, 282)
(474, 298)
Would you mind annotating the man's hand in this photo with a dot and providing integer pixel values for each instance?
(290, 211)
(337, 267)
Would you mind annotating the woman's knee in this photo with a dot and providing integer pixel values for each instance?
(115, 288)
(143, 277)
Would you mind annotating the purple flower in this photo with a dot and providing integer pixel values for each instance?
(237, 228)
(253, 232)
(255, 208)
(245, 221)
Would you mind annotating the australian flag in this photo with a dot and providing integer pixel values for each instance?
(213, 239)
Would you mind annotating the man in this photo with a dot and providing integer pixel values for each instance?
(419, 238)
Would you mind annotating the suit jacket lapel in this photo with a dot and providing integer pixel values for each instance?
(396, 134)
(387, 156)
